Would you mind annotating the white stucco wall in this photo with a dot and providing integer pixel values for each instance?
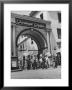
(53, 17)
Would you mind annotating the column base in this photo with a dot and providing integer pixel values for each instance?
(14, 63)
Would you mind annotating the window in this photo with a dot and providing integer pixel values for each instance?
(41, 16)
(31, 41)
(23, 46)
(59, 44)
(20, 47)
(11, 53)
(59, 17)
(59, 33)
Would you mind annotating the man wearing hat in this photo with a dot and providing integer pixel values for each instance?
(47, 59)
(55, 58)
(40, 60)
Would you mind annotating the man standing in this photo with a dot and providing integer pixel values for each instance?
(40, 60)
(55, 58)
(47, 58)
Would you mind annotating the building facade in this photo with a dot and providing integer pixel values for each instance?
(37, 29)
(55, 18)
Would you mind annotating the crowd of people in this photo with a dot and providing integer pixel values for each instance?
(42, 61)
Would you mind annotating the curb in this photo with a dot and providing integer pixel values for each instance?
(16, 70)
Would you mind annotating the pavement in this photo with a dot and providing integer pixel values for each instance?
(16, 70)
(50, 73)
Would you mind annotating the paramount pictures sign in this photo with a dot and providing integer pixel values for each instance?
(28, 23)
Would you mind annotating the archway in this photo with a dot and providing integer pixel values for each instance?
(36, 36)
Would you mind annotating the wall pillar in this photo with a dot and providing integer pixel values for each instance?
(14, 58)
(53, 42)
(48, 41)
(13, 41)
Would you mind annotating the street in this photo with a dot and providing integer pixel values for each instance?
(49, 73)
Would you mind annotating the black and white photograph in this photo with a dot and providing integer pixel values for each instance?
(36, 44)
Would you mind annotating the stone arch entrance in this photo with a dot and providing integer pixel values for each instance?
(38, 30)
(36, 36)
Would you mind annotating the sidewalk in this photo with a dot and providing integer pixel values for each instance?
(16, 70)
(49, 73)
